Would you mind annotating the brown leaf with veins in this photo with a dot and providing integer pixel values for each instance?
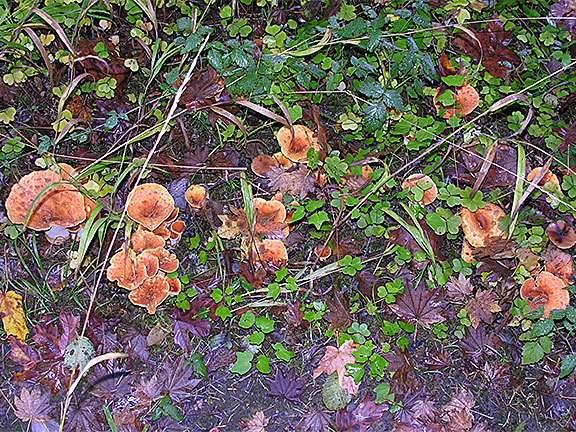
(482, 307)
(359, 420)
(458, 288)
(458, 412)
(478, 342)
(257, 423)
(296, 181)
(420, 305)
(338, 314)
(335, 360)
(317, 421)
(33, 405)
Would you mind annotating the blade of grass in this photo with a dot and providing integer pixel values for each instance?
(518, 187)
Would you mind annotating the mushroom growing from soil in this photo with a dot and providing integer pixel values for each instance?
(151, 293)
(296, 149)
(481, 227)
(270, 253)
(466, 100)
(196, 197)
(61, 205)
(267, 214)
(430, 194)
(143, 239)
(549, 177)
(322, 254)
(263, 164)
(547, 290)
(561, 234)
(150, 204)
(124, 269)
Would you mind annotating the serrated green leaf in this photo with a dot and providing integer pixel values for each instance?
(532, 353)
(372, 88)
(454, 80)
(393, 99)
(542, 327)
(374, 116)
(240, 57)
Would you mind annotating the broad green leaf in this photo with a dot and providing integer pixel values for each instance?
(243, 362)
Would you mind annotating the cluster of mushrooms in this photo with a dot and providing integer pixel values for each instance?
(60, 210)
(481, 232)
(142, 266)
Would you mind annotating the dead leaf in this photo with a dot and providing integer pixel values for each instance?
(335, 360)
(296, 181)
(317, 421)
(359, 420)
(338, 314)
(502, 171)
(185, 323)
(12, 314)
(288, 387)
(458, 412)
(33, 405)
(478, 342)
(420, 305)
(458, 288)
(257, 423)
(482, 307)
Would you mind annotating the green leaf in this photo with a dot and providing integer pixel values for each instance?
(374, 116)
(568, 365)
(318, 219)
(436, 222)
(240, 57)
(263, 364)
(454, 80)
(299, 213)
(383, 394)
(243, 362)
(532, 353)
(282, 353)
(256, 338)
(392, 99)
(264, 324)
(372, 88)
(542, 327)
(273, 290)
(247, 320)
(223, 312)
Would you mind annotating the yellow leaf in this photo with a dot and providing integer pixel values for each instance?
(12, 315)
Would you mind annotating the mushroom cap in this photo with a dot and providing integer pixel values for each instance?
(143, 239)
(175, 285)
(163, 230)
(262, 164)
(547, 290)
(167, 261)
(481, 226)
(322, 254)
(467, 252)
(466, 97)
(150, 204)
(150, 261)
(561, 234)
(429, 194)
(195, 196)
(66, 171)
(151, 293)
(268, 212)
(126, 270)
(270, 253)
(283, 161)
(549, 177)
(296, 150)
(61, 205)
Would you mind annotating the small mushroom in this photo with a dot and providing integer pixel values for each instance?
(547, 290)
(151, 293)
(263, 164)
(61, 205)
(296, 149)
(466, 100)
(270, 253)
(143, 239)
(549, 177)
(481, 227)
(150, 204)
(283, 161)
(323, 254)
(196, 197)
(163, 230)
(430, 194)
(561, 234)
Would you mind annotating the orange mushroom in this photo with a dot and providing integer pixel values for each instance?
(547, 290)
(143, 239)
(430, 194)
(150, 204)
(270, 253)
(296, 149)
(151, 293)
(126, 270)
(167, 261)
(163, 230)
(549, 177)
(481, 227)
(467, 252)
(561, 234)
(268, 212)
(322, 254)
(466, 100)
(176, 229)
(150, 261)
(196, 196)
(283, 161)
(263, 164)
(61, 205)
(175, 285)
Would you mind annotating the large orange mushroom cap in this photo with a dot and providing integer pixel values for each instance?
(481, 227)
(270, 253)
(263, 164)
(547, 290)
(150, 261)
(266, 212)
(296, 150)
(124, 269)
(466, 98)
(61, 205)
(150, 204)
(151, 293)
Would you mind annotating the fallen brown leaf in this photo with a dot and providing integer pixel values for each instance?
(335, 360)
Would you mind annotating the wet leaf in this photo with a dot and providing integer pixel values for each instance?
(175, 378)
(317, 421)
(33, 405)
(419, 305)
(359, 420)
(458, 412)
(335, 360)
(296, 181)
(257, 423)
(482, 308)
(478, 342)
(12, 314)
(185, 323)
(338, 314)
(458, 288)
(288, 387)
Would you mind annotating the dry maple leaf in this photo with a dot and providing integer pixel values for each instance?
(338, 314)
(482, 307)
(419, 305)
(257, 423)
(288, 387)
(33, 405)
(335, 360)
(359, 420)
(458, 412)
(478, 342)
(12, 314)
(184, 323)
(298, 181)
(458, 288)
